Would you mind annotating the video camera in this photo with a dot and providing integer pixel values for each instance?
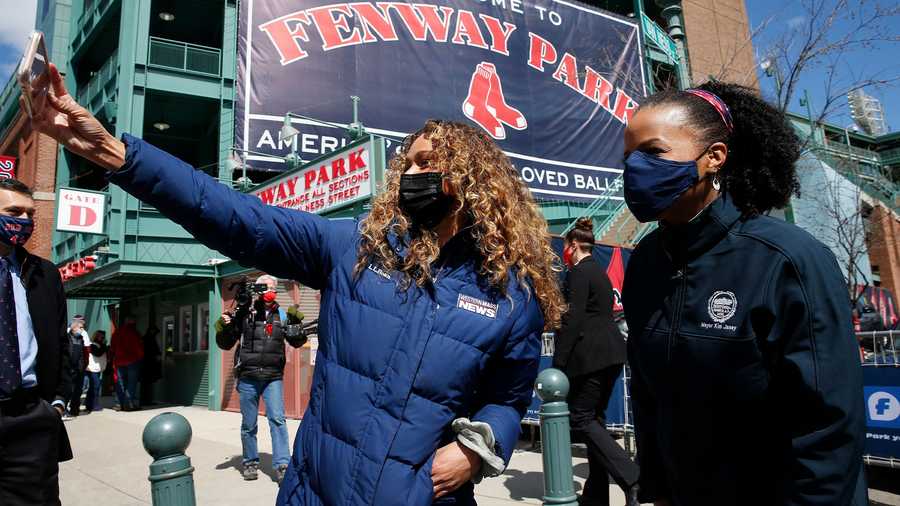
(245, 292)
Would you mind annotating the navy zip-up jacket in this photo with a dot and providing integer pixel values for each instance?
(746, 380)
(395, 366)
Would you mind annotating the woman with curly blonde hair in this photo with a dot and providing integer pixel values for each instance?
(432, 306)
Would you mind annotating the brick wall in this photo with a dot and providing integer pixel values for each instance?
(884, 248)
(718, 37)
(35, 166)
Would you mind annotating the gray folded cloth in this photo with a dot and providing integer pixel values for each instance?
(478, 437)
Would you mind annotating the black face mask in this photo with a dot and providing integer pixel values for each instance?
(423, 200)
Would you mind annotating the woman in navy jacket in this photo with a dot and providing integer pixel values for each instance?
(432, 305)
(746, 380)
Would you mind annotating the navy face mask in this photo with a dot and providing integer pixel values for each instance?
(653, 184)
(15, 231)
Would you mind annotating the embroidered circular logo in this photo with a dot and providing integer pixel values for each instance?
(722, 306)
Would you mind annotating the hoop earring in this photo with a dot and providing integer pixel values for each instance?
(716, 183)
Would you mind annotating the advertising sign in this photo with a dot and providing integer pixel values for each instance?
(882, 397)
(553, 83)
(80, 211)
(329, 183)
(7, 167)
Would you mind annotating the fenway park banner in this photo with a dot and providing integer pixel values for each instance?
(553, 82)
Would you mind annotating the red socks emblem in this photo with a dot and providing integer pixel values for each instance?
(487, 106)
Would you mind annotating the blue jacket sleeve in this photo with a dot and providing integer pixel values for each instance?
(282, 242)
(819, 382)
(506, 389)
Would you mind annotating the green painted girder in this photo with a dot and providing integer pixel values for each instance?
(123, 279)
(87, 26)
(177, 81)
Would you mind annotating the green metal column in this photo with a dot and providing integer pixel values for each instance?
(215, 354)
(671, 11)
(166, 437)
(552, 387)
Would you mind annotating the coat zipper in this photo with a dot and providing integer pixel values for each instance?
(679, 302)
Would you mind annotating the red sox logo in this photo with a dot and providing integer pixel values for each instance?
(487, 106)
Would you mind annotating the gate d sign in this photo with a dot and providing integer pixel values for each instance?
(80, 211)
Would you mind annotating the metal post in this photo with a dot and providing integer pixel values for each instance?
(166, 437)
(671, 12)
(552, 387)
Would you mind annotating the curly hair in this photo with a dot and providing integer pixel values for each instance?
(508, 229)
(759, 172)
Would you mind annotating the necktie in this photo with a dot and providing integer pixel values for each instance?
(10, 365)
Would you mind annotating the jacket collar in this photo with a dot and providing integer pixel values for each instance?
(459, 250)
(687, 241)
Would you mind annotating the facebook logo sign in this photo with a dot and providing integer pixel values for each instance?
(883, 406)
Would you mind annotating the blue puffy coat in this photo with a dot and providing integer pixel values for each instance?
(394, 367)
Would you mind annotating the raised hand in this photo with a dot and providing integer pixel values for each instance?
(76, 128)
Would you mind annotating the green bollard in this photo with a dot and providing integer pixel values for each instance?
(552, 387)
(166, 437)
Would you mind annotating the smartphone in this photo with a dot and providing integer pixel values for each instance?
(34, 74)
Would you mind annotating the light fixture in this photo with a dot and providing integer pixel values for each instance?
(162, 126)
(287, 130)
(166, 16)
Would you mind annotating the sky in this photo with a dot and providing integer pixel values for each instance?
(785, 15)
(17, 23)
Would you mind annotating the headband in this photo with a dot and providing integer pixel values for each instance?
(717, 104)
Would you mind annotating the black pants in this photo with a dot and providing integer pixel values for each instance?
(77, 375)
(588, 398)
(29, 453)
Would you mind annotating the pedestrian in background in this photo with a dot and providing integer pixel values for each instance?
(34, 360)
(95, 369)
(590, 349)
(746, 381)
(79, 343)
(126, 350)
(261, 331)
(151, 366)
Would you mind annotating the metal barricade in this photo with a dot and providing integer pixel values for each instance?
(880, 359)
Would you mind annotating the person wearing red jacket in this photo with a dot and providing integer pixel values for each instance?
(126, 350)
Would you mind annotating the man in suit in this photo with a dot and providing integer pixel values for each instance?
(33, 350)
(591, 350)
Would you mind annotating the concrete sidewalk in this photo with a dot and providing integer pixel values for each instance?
(110, 465)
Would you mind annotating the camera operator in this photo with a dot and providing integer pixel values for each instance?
(260, 328)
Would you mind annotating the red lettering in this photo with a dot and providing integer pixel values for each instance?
(541, 51)
(309, 177)
(567, 72)
(467, 27)
(323, 175)
(292, 186)
(375, 19)
(597, 88)
(420, 19)
(625, 107)
(499, 34)
(356, 160)
(284, 33)
(331, 20)
(81, 216)
(338, 168)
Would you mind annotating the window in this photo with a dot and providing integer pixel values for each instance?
(169, 333)
(185, 341)
(203, 326)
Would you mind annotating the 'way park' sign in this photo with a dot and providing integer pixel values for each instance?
(327, 184)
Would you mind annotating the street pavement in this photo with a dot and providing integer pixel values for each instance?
(111, 466)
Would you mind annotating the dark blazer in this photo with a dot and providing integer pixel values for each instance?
(588, 340)
(47, 305)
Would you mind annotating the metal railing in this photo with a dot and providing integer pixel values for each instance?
(879, 349)
(603, 200)
(107, 73)
(185, 57)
